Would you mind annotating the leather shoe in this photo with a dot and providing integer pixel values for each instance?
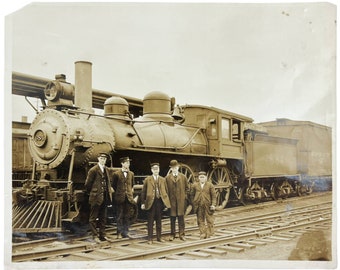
(103, 238)
(160, 240)
(203, 236)
(171, 238)
(182, 238)
(94, 240)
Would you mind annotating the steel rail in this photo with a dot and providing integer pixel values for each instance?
(259, 229)
(218, 214)
(212, 242)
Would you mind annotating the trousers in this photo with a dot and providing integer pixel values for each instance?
(205, 221)
(181, 225)
(100, 212)
(123, 218)
(155, 214)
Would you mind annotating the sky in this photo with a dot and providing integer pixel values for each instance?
(264, 61)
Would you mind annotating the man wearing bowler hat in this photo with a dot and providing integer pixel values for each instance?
(178, 191)
(203, 198)
(154, 199)
(98, 186)
(123, 181)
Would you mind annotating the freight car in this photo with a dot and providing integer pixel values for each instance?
(243, 160)
(22, 162)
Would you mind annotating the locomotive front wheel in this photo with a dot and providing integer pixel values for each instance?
(220, 178)
(274, 192)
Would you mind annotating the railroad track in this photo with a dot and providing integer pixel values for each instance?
(232, 235)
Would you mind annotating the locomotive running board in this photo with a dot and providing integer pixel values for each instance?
(39, 216)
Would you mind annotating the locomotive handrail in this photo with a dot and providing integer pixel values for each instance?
(67, 111)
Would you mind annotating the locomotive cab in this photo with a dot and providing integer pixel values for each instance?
(224, 129)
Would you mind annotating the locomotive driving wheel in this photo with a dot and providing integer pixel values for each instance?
(221, 179)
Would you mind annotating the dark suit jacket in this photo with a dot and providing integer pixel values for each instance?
(95, 185)
(123, 186)
(148, 192)
(205, 196)
(178, 191)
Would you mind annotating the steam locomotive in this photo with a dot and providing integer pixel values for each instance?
(245, 161)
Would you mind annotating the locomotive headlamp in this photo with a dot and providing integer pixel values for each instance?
(55, 90)
(59, 92)
(40, 138)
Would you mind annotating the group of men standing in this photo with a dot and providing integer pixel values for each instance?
(159, 194)
(101, 184)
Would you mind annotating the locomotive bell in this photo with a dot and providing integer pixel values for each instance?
(178, 115)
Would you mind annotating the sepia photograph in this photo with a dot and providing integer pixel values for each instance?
(170, 135)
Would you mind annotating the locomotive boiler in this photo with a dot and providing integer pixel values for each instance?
(243, 161)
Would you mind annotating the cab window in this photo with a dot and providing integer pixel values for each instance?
(236, 130)
(225, 128)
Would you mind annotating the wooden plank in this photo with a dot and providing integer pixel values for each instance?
(267, 240)
(280, 238)
(242, 245)
(179, 257)
(89, 256)
(215, 251)
(257, 243)
(199, 254)
(231, 249)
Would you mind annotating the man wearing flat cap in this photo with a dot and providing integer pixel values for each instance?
(123, 181)
(99, 187)
(203, 198)
(178, 190)
(154, 200)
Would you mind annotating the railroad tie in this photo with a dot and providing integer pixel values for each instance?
(215, 251)
(280, 238)
(267, 240)
(231, 249)
(242, 245)
(200, 254)
(90, 256)
(257, 243)
(178, 257)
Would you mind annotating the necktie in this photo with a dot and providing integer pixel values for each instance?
(157, 188)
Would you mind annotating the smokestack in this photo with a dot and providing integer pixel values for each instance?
(83, 85)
